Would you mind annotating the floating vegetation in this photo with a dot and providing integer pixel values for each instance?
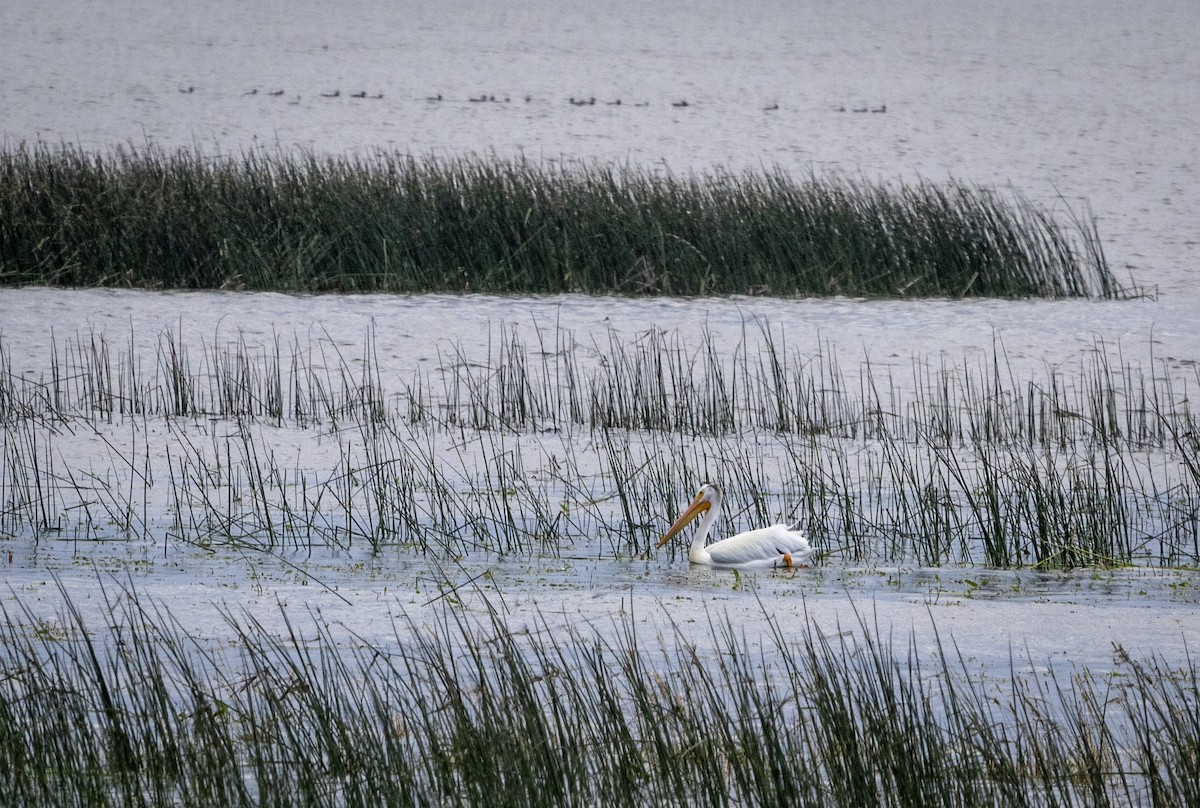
(394, 223)
(557, 446)
(142, 710)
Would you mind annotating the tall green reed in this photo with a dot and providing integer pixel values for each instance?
(457, 710)
(389, 222)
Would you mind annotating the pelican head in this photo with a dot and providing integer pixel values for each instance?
(707, 498)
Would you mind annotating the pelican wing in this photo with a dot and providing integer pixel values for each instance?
(766, 547)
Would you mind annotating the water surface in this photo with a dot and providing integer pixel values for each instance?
(1083, 105)
(1091, 100)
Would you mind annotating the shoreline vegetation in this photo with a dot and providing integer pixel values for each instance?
(463, 710)
(393, 223)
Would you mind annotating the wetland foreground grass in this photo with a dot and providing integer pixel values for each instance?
(388, 222)
(461, 710)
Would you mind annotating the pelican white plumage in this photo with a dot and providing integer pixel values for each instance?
(765, 548)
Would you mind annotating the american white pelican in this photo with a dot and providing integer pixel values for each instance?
(764, 548)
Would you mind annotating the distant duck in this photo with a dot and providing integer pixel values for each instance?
(860, 109)
(841, 108)
(616, 103)
(362, 94)
(478, 100)
(277, 92)
(528, 98)
(880, 109)
(186, 90)
(642, 104)
(437, 97)
(772, 108)
(333, 94)
(682, 103)
(252, 92)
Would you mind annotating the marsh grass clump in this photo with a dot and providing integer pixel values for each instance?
(387, 222)
(458, 710)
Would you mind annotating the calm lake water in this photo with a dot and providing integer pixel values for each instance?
(1084, 105)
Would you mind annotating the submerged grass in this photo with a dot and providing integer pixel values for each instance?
(393, 223)
(455, 711)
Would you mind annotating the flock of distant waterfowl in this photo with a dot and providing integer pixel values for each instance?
(488, 98)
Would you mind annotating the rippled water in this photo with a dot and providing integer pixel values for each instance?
(1096, 100)
(413, 330)
(1075, 103)
(1067, 620)
(986, 611)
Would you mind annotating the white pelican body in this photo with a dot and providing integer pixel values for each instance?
(764, 548)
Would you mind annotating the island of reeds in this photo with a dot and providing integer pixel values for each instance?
(393, 223)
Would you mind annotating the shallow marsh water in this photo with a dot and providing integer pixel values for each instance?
(1075, 620)
(1073, 102)
(410, 330)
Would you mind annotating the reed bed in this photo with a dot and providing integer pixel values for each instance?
(557, 447)
(297, 384)
(458, 711)
(654, 381)
(387, 222)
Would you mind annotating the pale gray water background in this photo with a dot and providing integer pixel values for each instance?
(1092, 102)
(1096, 100)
